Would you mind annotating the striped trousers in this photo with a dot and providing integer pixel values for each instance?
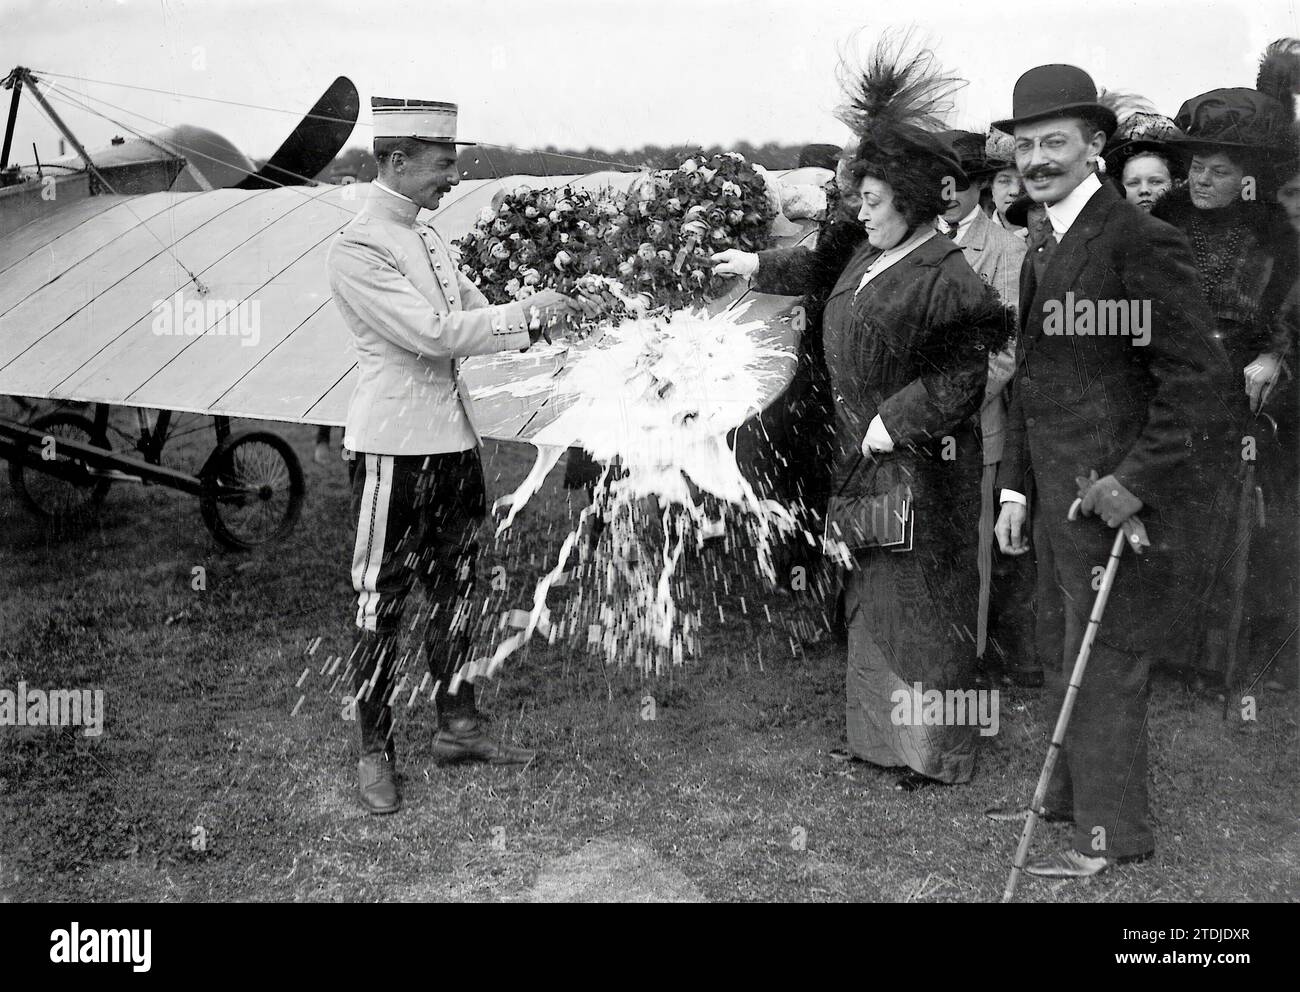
(417, 521)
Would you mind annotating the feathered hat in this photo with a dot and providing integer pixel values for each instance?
(1260, 119)
(1140, 130)
(1145, 132)
(896, 102)
(1279, 73)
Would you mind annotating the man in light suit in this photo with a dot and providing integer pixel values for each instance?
(1006, 582)
(417, 479)
(1112, 405)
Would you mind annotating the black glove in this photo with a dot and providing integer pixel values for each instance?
(1106, 497)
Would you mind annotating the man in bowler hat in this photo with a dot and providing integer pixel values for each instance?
(1114, 393)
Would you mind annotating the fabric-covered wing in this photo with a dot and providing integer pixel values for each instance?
(116, 299)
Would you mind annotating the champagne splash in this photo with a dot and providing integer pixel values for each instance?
(655, 401)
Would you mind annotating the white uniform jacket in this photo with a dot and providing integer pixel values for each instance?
(413, 315)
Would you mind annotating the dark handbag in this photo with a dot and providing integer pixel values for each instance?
(859, 523)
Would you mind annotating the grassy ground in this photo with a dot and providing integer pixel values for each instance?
(200, 687)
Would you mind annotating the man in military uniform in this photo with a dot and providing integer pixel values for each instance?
(417, 479)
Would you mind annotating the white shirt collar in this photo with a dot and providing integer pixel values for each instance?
(963, 225)
(391, 192)
(1066, 211)
(891, 255)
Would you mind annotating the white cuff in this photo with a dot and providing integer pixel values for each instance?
(1011, 496)
(877, 438)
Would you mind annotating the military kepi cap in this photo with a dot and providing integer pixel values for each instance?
(427, 120)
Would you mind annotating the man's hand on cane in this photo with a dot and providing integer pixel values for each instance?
(1107, 498)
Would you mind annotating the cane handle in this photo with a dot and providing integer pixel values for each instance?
(1132, 527)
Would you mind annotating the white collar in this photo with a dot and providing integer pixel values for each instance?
(386, 202)
(963, 225)
(390, 191)
(1064, 212)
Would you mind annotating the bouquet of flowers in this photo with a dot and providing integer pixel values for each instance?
(673, 221)
(655, 240)
(537, 239)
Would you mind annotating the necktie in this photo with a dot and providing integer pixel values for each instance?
(1042, 243)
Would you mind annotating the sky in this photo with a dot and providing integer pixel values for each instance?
(579, 73)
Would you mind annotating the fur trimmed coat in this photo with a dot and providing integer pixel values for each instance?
(913, 348)
(1248, 290)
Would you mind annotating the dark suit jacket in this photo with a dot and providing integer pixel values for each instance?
(1104, 402)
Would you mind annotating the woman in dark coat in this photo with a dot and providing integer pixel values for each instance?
(1246, 254)
(907, 331)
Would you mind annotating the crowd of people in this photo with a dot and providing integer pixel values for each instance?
(1145, 270)
(1018, 341)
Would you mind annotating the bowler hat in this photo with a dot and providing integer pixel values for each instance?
(1056, 91)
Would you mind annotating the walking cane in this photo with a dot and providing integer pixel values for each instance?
(1250, 516)
(1131, 531)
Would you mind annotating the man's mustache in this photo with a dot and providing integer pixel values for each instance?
(1042, 172)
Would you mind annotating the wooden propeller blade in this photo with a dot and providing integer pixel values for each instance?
(314, 142)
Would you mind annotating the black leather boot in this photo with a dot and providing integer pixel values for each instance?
(377, 767)
(462, 736)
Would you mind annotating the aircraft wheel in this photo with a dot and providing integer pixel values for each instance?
(62, 501)
(252, 490)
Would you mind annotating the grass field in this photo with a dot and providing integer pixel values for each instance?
(728, 794)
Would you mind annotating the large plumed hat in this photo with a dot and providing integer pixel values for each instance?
(896, 102)
(1260, 119)
(1056, 91)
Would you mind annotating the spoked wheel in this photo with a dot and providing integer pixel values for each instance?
(252, 490)
(62, 501)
